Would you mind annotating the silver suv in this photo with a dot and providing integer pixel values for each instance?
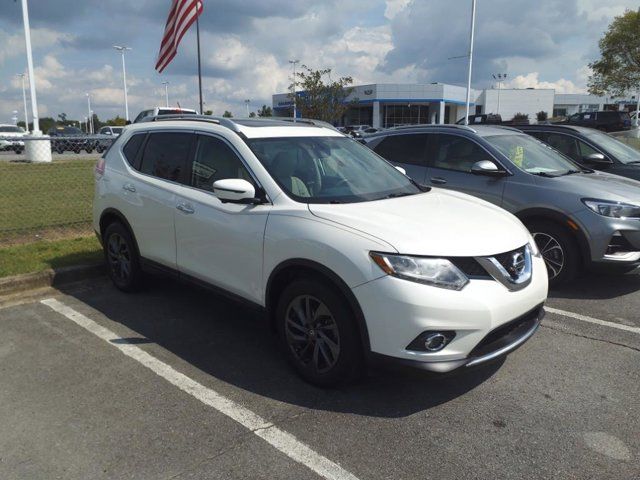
(579, 217)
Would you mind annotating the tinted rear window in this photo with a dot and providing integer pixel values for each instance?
(132, 147)
(409, 149)
(165, 155)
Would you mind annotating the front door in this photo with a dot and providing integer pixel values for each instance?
(219, 243)
(450, 161)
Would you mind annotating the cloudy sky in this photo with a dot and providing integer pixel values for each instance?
(246, 45)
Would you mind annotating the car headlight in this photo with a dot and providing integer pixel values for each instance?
(438, 272)
(612, 209)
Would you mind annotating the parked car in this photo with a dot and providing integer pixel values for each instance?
(607, 120)
(350, 259)
(589, 147)
(110, 130)
(356, 130)
(579, 217)
(154, 112)
(12, 134)
(482, 119)
(72, 139)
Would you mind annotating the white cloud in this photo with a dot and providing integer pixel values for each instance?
(393, 7)
(531, 80)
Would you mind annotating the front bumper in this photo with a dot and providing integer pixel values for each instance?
(398, 311)
(496, 344)
(603, 232)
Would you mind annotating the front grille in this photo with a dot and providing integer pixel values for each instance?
(470, 267)
(507, 333)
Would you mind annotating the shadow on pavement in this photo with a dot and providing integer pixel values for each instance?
(599, 286)
(235, 344)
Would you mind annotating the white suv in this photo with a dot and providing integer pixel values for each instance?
(351, 260)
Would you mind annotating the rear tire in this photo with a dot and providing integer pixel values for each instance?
(121, 256)
(318, 334)
(558, 249)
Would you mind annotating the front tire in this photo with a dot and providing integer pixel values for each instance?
(121, 256)
(559, 251)
(318, 334)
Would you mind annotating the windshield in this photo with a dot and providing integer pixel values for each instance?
(622, 152)
(532, 155)
(10, 129)
(329, 170)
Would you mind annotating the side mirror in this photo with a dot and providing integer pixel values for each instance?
(487, 167)
(235, 190)
(596, 159)
(401, 170)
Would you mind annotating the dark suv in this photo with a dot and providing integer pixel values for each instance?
(607, 121)
(578, 217)
(69, 139)
(589, 147)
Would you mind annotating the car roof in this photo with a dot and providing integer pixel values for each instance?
(470, 130)
(556, 127)
(247, 127)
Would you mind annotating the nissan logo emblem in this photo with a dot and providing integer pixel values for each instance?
(517, 265)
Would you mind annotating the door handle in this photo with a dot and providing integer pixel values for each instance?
(129, 187)
(438, 180)
(185, 208)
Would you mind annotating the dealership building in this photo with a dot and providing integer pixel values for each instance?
(386, 105)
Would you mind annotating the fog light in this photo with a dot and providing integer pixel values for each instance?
(434, 342)
(431, 341)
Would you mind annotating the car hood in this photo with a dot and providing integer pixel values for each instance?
(437, 223)
(600, 185)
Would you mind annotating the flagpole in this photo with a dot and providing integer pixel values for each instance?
(199, 68)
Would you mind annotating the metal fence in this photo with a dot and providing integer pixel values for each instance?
(46, 186)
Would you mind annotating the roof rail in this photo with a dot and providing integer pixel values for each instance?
(309, 121)
(505, 127)
(434, 125)
(222, 121)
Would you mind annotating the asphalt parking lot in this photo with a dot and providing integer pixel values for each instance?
(175, 382)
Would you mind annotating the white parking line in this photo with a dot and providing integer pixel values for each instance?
(281, 440)
(596, 321)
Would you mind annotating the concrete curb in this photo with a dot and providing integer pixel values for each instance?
(49, 278)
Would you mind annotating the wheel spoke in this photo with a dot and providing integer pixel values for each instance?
(322, 346)
(333, 346)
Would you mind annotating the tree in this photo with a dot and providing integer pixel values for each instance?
(208, 112)
(265, 111)
(63, 118)
(116, 122)
(252, 115)
(618, 69)
(541, 116)
(320, 100)
(227, 114)
(520, 118)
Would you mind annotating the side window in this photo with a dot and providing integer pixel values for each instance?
(457, 153)
(131, 148)
(564, 144)
(214, 160)
(410, 149)
(542, 136)
(165, 155)
(584, 149)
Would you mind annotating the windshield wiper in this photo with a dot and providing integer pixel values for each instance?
(634, 162)
(397, 195)
(544, 174)
(570, 172)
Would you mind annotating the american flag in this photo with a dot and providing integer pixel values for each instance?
(182, 14)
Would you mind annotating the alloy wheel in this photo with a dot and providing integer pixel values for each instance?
(312, 333)
(119, 257)
(552, 253)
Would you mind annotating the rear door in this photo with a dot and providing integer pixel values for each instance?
(409, 151)
(149, 193)
(450, 163)
(219, 243)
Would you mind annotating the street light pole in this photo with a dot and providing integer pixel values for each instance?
(473, 26)
(90, 115)
(247, 102)
(122, 50)
(32, 78)
(500, 77)
(295, 112)
(24, 101)
(166, 93)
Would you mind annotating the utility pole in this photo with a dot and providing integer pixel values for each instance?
(500, 77)
(295, 112)
(122, 51)
(32, 78)
(166, 93)
(246, 103)
(473, 26)
(24, 101)
(90, 114)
